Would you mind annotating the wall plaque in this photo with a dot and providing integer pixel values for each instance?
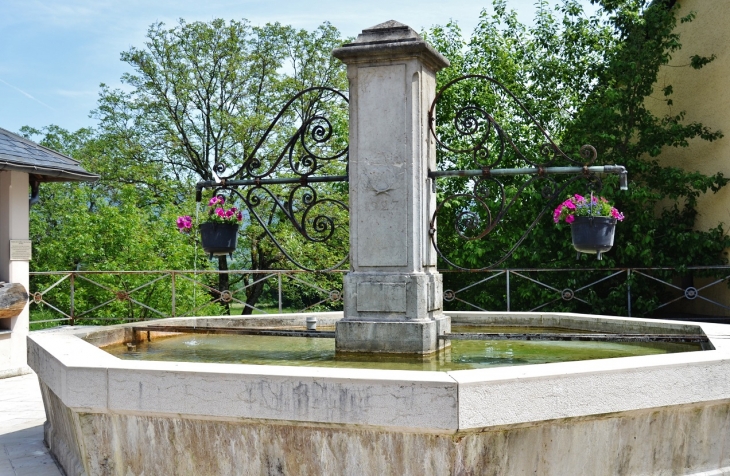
(21, 250)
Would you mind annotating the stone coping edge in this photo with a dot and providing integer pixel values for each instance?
(87, 379)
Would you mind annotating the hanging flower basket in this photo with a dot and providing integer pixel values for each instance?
(219, 234)
(592, 223)
(218, 238)
(593, 235)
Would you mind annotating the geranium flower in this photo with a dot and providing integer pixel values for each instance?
(617, 214)
(579, 206)
(184, 223)
(556, 214)
(217, 213)
(216, 200)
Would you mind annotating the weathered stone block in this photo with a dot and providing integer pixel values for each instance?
(13, 299)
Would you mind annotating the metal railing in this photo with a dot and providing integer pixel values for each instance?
(612, 291)
(67, 297)
(100, 297)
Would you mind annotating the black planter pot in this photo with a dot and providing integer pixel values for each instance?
(593, 235)
(218, 238)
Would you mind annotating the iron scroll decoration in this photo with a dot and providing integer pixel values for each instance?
(312, 155)
(476, 133)
(285, 181)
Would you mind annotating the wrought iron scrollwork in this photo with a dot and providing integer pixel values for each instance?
(474, 126)
(285, 183)
(482, 204)
(308, 149)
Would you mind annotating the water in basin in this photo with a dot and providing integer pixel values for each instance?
(317, 352)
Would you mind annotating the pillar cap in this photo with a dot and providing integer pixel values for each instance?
(390, 41)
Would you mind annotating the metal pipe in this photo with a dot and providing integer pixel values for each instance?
(539, 336)
(71, 299)
(174, 301)
(303, 180)
(508, 291)
(237, 331)
(595, 169)
(628, 286)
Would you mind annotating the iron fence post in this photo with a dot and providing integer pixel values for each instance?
(508, 303)
(172, 277)
(280, 304)
(628, 290)
(71, 299)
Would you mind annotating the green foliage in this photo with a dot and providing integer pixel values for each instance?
(108, 225)
(204, 94)
(199, 94)
(585, 80)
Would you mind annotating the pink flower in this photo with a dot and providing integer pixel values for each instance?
(239, 216)
(580, 198)
(569, 219)
(220, 212)
(229, 214)
(184, 223)
(217, 199)
(570, 205)
(617, 214)
(556, 213)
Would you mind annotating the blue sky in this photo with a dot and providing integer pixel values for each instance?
(55, 53)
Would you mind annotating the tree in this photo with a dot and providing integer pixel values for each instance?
(110, 225)
(586, 79)
(203, 95)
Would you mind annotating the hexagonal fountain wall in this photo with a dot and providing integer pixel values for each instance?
(655, 414)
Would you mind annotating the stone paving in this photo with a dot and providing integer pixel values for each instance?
(22, 451)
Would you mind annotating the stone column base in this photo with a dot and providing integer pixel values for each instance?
(399, 337)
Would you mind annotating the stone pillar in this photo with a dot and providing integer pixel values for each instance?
(13, 226)
(393, 292)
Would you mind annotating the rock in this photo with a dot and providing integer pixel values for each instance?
(13, 299)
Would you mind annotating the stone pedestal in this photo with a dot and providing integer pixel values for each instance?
(393, 293)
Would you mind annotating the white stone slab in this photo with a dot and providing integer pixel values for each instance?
(512, 395)
(406, 400)
(88, 379)
(381, 203)
(73, 369)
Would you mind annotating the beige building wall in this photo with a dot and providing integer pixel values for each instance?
(705, 97)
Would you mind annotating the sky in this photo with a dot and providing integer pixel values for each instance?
(54, 54)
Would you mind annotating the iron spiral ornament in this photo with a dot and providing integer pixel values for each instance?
(286, 183)
(474, 135)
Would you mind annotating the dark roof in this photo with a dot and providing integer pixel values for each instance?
(42, 163)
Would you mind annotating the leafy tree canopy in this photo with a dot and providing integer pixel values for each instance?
(585, 78)
(198, 94)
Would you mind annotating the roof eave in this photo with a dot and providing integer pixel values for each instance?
(48, 174)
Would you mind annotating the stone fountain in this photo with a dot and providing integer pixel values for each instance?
(659, 414)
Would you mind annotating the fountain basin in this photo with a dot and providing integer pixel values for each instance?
(657, 414)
